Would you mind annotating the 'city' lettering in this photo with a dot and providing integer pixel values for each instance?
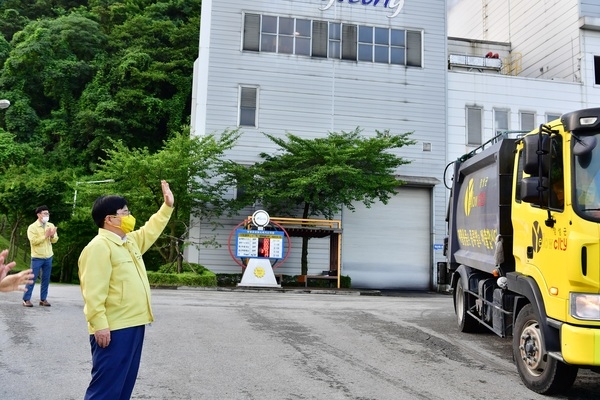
(560, 244)
(395, 5)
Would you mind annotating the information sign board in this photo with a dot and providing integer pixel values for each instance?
(259, 244)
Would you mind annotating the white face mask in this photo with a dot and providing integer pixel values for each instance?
(45, 219)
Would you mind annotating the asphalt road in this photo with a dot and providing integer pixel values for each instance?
(269, 345)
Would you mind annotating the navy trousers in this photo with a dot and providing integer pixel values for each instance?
(115, 367)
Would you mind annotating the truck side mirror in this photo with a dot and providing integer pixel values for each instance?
(537, 153)
(584, 145)
(535, 190)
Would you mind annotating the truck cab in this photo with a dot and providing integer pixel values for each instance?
(523, 247)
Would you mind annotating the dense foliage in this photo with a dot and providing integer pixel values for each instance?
(82, 76)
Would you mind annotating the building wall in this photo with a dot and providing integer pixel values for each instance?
(460, 11)
(544, 35)
(514, 94)
(590, 8)
(590, 41)
(311, 97)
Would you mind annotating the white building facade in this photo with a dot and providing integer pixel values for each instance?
(310, 67)
(550, 55)
(454, 77)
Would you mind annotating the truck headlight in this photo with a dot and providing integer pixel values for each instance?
(585, 306)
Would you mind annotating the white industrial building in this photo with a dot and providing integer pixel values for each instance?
(550, 53)
(313, 66)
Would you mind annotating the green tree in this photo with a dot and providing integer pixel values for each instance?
(198, 174)
(49, 66)
(23, 189)
(321, 176)
(82, 73)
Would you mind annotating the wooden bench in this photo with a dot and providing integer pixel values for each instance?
(305, 278)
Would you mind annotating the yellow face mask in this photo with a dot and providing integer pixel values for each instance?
(127, 223)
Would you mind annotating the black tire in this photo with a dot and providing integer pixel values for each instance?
(539, 372)
(466, 323)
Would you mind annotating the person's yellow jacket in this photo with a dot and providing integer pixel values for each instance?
(113, 278)
(41, 246)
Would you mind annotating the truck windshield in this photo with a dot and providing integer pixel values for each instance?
(587, 182)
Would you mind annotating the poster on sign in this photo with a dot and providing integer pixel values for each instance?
(259, 244)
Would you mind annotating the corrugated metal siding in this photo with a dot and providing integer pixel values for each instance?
(311, 97)
(590, 8)
(464, 19)
(532, 23)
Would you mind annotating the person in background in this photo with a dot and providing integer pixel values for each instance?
(116, 293)
(10, 283)
(42, 235)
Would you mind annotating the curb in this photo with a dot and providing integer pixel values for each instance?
(278, 290)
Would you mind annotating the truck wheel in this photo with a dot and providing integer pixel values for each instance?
(466, 323)
(539, 372)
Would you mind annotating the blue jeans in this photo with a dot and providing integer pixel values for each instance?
(45, 264)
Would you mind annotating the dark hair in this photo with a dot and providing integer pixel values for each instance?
(106, 205)
(40, 209)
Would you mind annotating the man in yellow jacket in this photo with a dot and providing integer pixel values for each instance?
(116, 293)
(42, 235)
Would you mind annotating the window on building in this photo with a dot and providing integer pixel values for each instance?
(324, 39)
(527, 120)
(251, 32)
(597, 70)
(286, 36)
(335, 40)
(381, 51)
(248, 105)
(474, 126)
(397, 46)
(365, 43)
(320, 32)
(500, 120)
(413, 49)
(349, 42)
(302, 37)
(268, 34)
(294, 36)
(552, 117)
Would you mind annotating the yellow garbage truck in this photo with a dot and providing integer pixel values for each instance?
(523, 246)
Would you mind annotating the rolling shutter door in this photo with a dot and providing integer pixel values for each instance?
(389, 246)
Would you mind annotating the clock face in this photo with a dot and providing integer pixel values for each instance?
(260, 218)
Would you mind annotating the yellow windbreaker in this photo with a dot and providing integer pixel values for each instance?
(113, 278)
(41, 246)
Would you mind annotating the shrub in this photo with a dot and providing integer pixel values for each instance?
(186, 266)
(228, 280)
(206, 279)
